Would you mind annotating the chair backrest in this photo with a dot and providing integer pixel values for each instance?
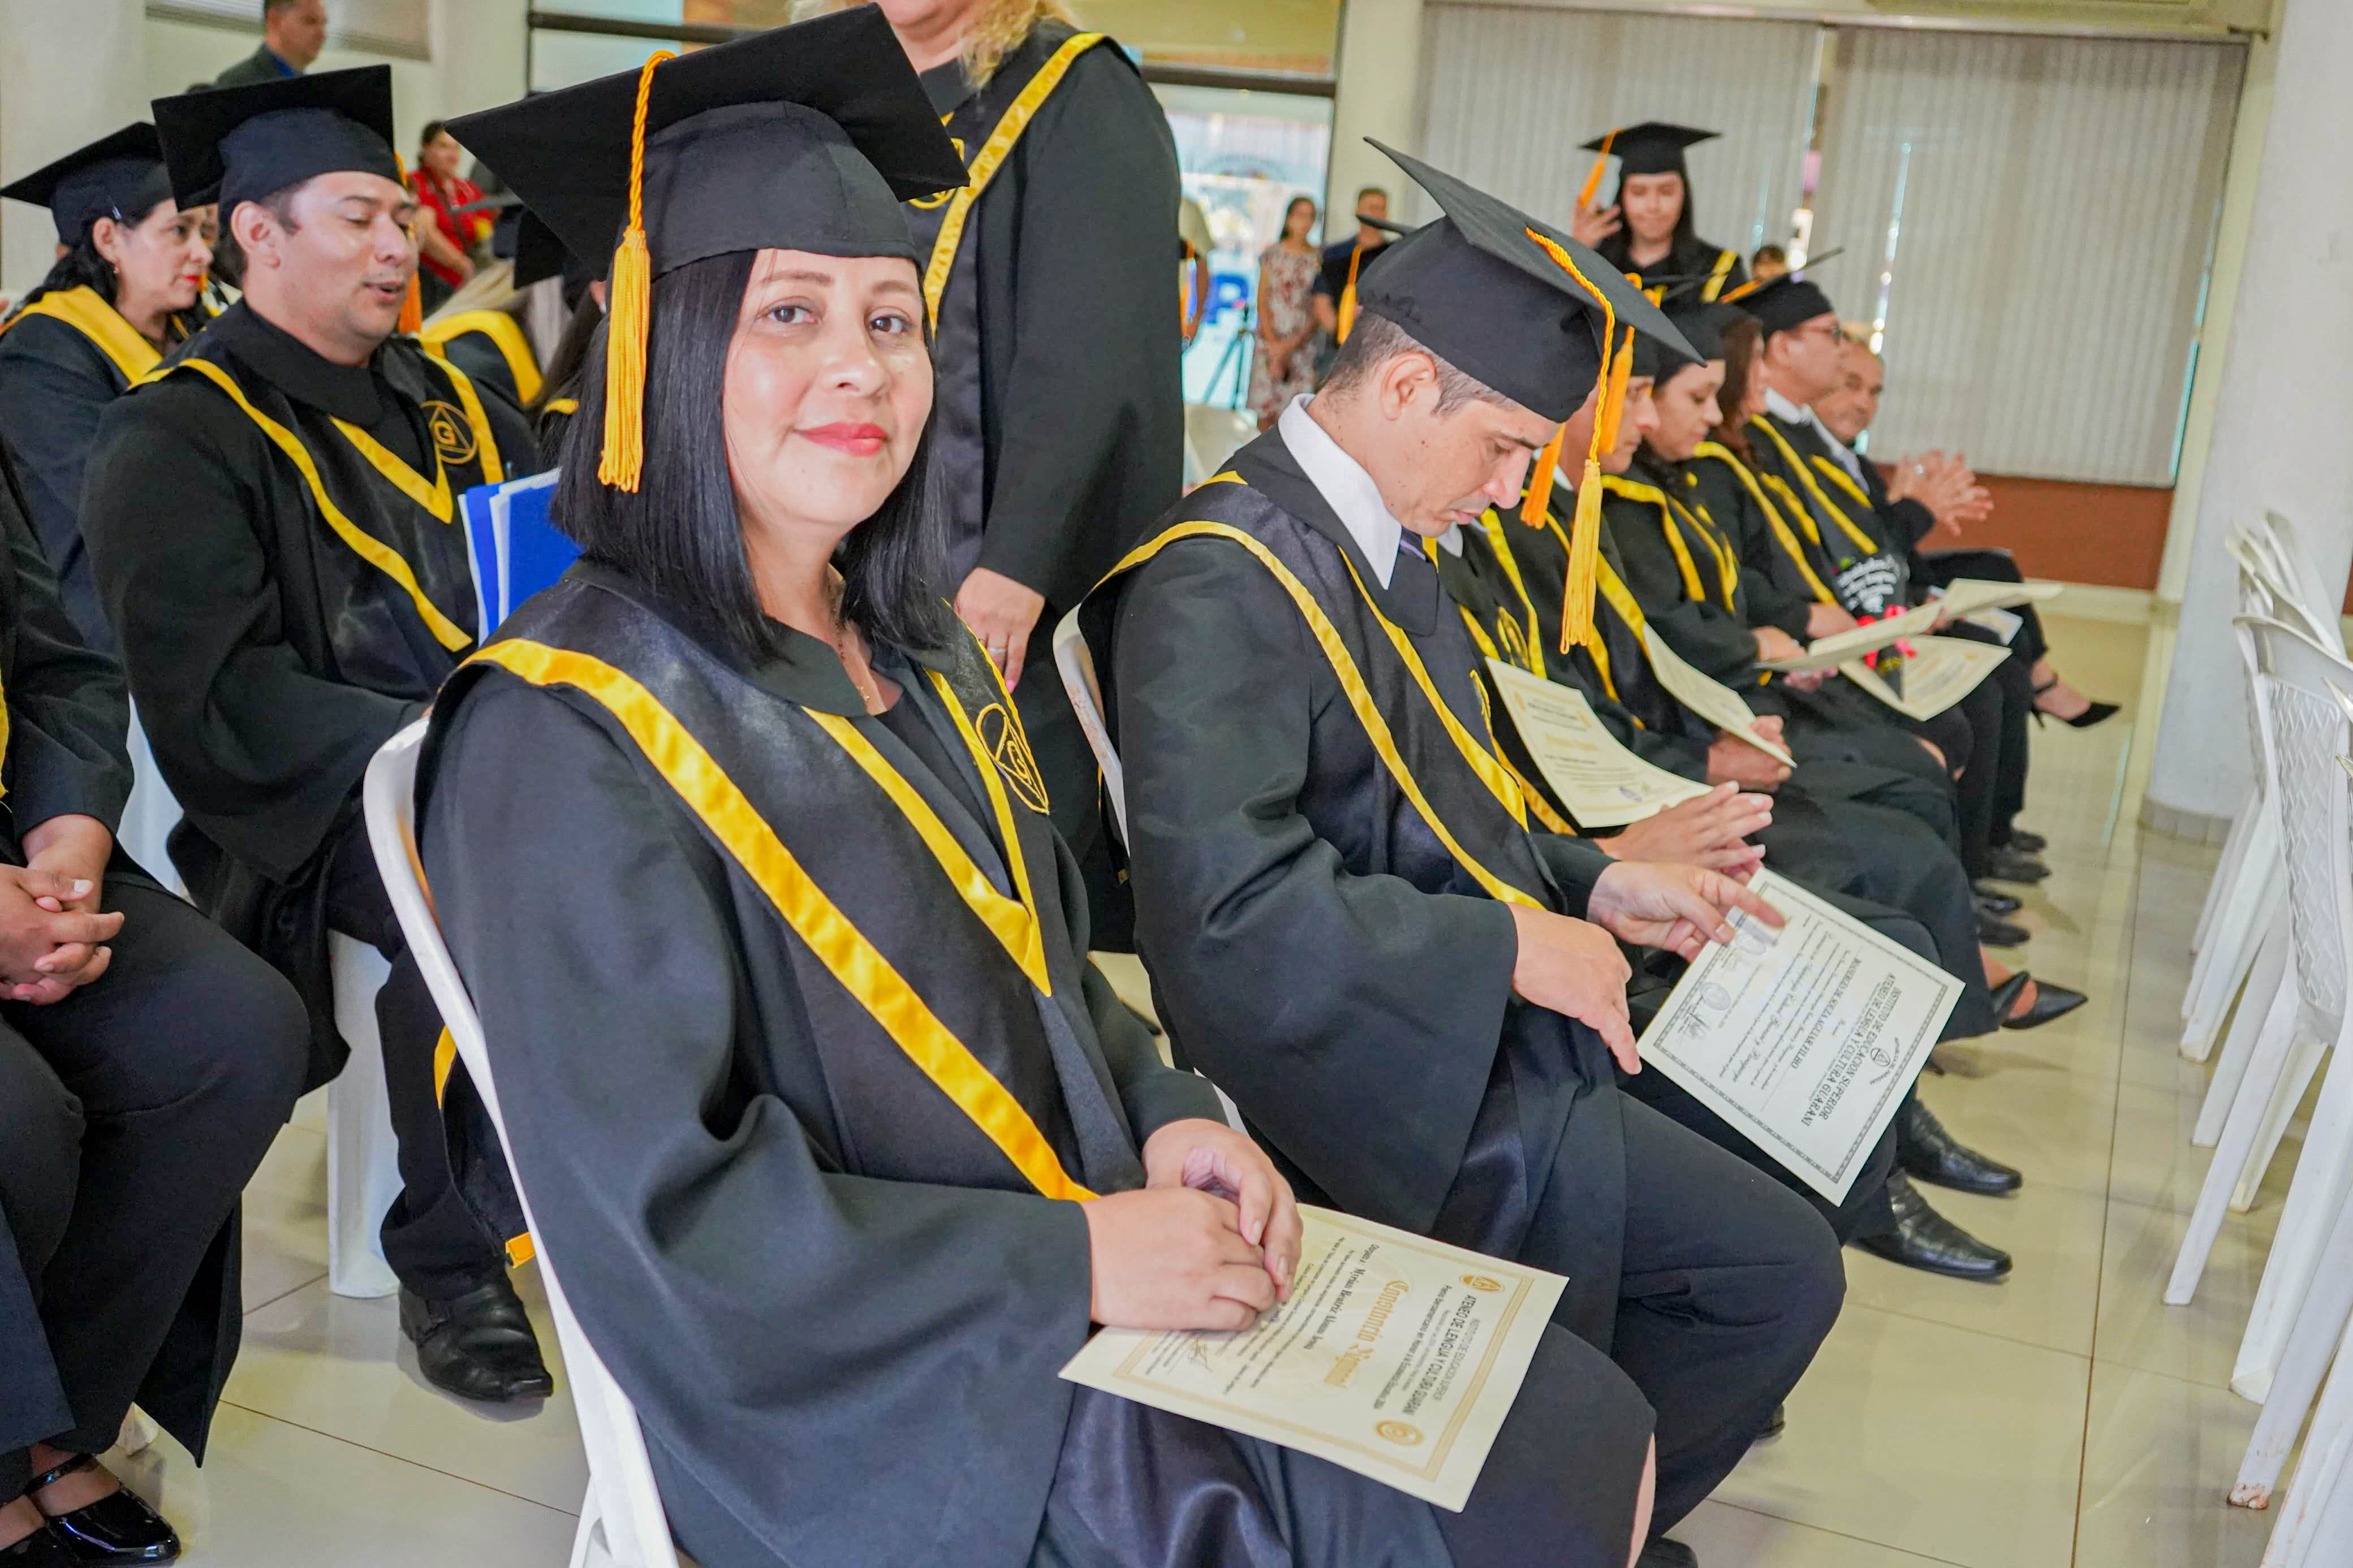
(2308, 732)
(1075, 662)
(620, 1478)
(2295, 582)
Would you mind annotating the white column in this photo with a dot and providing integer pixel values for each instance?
(2280, 416)
(480, 51)
(1378, 94)
(70, 73)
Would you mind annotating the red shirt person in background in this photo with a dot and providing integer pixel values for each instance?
(445, 241)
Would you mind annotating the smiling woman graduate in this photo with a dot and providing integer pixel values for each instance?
(842, 1141)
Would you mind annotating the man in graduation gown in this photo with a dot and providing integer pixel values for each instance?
(1348, 924)
(145, 1067)
(269, 524)
(1052, 285)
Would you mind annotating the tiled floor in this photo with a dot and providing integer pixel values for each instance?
(2064, 1417)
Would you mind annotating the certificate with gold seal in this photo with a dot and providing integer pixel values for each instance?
(1396, 1357)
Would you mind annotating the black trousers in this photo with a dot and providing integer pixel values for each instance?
(1728, 1284)
(431, 1236)
(131, 1115)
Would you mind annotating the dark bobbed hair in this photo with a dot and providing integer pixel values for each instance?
(561, 375)
(1618, 249)
(82, 267)
(431, 133)
(1741, 341)
(678, 534)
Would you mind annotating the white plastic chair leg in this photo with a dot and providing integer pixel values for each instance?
(2257, 898)
(589, 1547)
(2267, 1008)
(2315, 1526)
(2226, 870)
(362, 1156)
(2303, 1062)
(2231, 1150)
(2324, 1174)
(2304, 1361)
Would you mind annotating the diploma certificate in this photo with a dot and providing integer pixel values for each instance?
(1939, 673)
(1803, 1038)
(1601, 783)
(1830, 652)
(1707, 696)
(1396, 1357)
(1965, 597)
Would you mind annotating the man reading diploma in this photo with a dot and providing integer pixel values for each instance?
(1351, 927)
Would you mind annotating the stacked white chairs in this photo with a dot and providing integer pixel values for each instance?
(621, 1521)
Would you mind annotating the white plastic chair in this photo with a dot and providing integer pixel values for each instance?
(2305, 732)
(621, 1521)
(362, 1154)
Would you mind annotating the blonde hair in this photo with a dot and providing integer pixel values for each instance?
(997, 28)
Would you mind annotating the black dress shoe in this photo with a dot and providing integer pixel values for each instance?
(2014, 865)
(1994, 903)
(478, 1345)
(2029, 843)
(1926, 1240)
(1660, 1552)
(2049, 1002)
(1995, 931)
(1926, 1151)
(116, 1529)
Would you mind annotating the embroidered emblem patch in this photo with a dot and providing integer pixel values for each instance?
(452, 437)
(1000, 732)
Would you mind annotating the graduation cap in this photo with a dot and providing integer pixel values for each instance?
(1787, 302)
(1345, 311)
(806, 137)
(1652, 147)
(1528, 311)
(236, 144)
(119, 176)
(1705, 325)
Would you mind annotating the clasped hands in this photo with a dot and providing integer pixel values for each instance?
(52, 933)
(1946, 484)
(1209, 1241)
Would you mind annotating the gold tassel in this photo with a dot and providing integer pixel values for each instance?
(412, 306)
(1584, 560)
(629, 316)
(1611, 414)
(1346, 316)
(1593, 179)
(1534, 505)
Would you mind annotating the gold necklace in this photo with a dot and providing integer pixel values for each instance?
(869, 692)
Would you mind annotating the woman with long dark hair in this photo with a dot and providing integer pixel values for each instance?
(131, 268)
(1647, 232)
(841, 1140)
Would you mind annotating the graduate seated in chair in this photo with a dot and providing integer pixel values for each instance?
(837, 1139)
(1414, 999)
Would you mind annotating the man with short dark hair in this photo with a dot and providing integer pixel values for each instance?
(270, 528)
(1345, 261)
(293, 34)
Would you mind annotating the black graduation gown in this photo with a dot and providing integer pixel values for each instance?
(68, 714)
(279, 632)
(62, 362)
(798, 1094)
(1717, 268)
(1685, 569)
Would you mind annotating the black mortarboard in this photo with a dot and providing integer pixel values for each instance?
(1705, 325)
(1789, 300)
(1479, 289)
(1521, 307)
(236, 144)
(801, 138)
(1649, 148)
(119, 176)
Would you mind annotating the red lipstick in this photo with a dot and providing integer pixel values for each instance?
(855, 439)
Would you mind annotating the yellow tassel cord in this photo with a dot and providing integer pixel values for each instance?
(1584, 534)
(1346, 313)
(629, 312)
(412, 308)
(1539, 496)
(1593, 179)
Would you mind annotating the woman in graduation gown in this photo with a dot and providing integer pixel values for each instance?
(807, 1073)
(1648, 232)
(125, 290)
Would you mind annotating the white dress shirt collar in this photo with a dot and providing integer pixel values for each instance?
(1346, 487)
(1788, 413)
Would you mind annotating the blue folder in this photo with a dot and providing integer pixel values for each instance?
(516, 550)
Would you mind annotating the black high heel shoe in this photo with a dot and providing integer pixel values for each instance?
(2098, 713)
(2051, 1001)
(118, 1528)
